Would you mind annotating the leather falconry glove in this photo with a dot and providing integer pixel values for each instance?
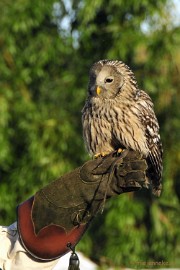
(56, 217)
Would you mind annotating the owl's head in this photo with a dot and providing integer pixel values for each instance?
(109, 79)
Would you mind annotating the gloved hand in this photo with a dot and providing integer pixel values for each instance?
(60, 213)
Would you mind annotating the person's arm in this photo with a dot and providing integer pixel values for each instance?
(58, 215)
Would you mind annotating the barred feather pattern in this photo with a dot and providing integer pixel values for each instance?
(124, 120)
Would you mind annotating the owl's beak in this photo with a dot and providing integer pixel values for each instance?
(98, 90)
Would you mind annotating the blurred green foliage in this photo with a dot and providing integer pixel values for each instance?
(46, 50)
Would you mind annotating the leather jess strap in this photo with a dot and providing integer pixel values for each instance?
(51, 242)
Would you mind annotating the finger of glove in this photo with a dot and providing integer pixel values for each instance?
(133, 155)
(91, 170)
(89, 166)
(133, 187)
(105, 165)
(123, 186)
(130, 184)
(137, 176)
(137, 165)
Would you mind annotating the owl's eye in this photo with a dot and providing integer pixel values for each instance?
(109, 80)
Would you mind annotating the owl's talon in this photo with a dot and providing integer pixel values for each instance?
(97, 155)
(120, 150)
(102, 154)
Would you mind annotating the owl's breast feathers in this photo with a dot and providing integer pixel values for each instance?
(117, 123)
(96, 129)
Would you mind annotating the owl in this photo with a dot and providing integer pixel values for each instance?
(118, 115)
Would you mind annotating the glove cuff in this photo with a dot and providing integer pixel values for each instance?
(51, 242)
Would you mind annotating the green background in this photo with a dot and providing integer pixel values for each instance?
(46, 50)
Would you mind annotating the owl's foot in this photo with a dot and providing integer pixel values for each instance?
(106, 153)
(120, 151)
(102, 154)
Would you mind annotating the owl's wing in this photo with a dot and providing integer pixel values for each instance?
(85, 125)
(87, 136)
(151, 126)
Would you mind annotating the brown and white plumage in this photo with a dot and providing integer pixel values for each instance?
(117, 114)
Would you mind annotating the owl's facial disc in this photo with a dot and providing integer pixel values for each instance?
(107, 83)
